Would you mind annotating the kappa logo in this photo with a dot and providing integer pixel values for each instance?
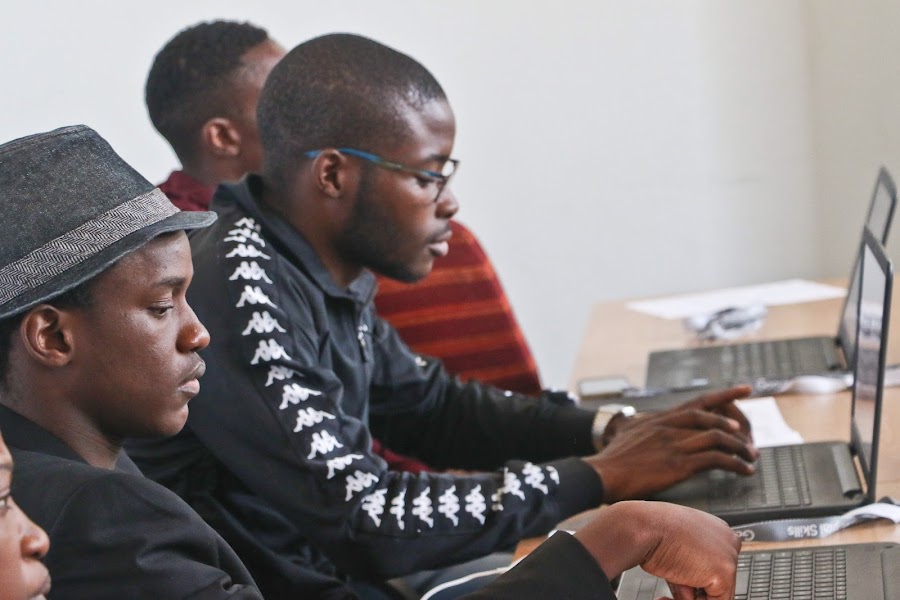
(423, 509)
(245, 251)
(295, 394)
(323, 443)
(398, 509)
(534, 476)
(448, 505)
(358, 482)
(242, 235)
(250, 271)
(340, 463)
(249, 223)
(254, 295)
(263, 323)
(373, 505)
(309, 416)
(475, 504)
(511, 486)
(279, 373)
(554, 474)
(267, 351)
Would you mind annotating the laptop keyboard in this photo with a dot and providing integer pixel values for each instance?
(778, 359)
(780, 480)
(775, 360)
(819, 574)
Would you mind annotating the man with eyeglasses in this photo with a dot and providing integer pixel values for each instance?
(276, 454)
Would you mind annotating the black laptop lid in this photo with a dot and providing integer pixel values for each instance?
(878, 220)
(875, 283)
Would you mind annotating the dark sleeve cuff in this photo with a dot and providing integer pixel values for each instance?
(559, 568)
(580, 487)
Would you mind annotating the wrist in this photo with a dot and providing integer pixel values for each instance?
(620, 537)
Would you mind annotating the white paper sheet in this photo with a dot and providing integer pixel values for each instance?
(769, 426)
(791, 291)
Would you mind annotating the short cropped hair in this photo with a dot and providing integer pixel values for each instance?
(338, 90)
(188, 81)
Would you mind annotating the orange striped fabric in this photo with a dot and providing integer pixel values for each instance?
(460, 314)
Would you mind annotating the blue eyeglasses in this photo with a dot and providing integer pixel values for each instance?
(438, 178)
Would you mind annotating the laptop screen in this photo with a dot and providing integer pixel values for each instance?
(874, 308)
(881, 213)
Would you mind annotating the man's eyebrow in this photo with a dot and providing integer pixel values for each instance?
(171, 282)
(7, 466)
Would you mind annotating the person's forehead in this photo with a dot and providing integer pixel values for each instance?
(430, 126)
(162, 253)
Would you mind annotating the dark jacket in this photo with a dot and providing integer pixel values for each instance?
(277, 455)
(114, 533)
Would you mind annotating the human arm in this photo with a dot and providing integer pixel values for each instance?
(690, 549)
(283, 410)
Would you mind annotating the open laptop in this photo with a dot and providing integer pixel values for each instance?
(821, 478)
(848, 572)
(857, 571)
(776, 360)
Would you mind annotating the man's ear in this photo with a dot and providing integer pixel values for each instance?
(221, 137)
(47, 335)
(331, 173)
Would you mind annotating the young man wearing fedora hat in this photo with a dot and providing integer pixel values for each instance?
(276, 453)
(97, 343)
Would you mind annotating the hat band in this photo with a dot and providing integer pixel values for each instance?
(74, 247)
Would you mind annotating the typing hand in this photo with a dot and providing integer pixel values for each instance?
(654, 454)
(720, 403)
(690, 549)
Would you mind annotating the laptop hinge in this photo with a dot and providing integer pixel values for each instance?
(846, 471)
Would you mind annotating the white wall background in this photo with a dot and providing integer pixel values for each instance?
(610, 148)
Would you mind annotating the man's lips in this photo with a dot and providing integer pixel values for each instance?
(191, 383)
(440, 246)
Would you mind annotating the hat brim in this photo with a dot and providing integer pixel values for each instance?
(99, 262)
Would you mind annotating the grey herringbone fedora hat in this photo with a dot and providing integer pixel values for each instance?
(69, 208)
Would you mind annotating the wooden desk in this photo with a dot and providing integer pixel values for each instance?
(617, 341)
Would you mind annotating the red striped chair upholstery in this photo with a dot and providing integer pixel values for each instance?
(460, 314)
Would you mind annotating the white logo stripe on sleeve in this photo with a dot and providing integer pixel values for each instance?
(242, 235)
(295, 394)
(280, 373)
(475, 504)
(511, 486)
(359, 481)
(398, 508)
(254, 295)
(339, 463)
(248, 222)
(534, 476)
(262, 323)
(246, 251)
(250, 271)
(373, 504)
(448, 504)
(309, 417)
(269, 350)
(554, 474)
(323, 443)
(423, 508)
